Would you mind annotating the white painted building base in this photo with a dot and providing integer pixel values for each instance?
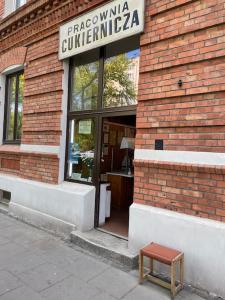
(201, 240)
(59, 208)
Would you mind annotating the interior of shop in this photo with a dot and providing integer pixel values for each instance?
(117, 174)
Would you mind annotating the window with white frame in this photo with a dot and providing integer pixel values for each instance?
(12, 5)
(19, 3)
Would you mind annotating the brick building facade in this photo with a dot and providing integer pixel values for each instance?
(179, 192)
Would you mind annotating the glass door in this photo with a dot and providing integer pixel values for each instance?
(82, 149)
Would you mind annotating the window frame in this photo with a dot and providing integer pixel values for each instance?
(78, 118)
(5, 140)
(11, 7)
(100, 112)
(18, 5)
(100, 109)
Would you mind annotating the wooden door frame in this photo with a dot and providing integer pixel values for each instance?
(99, 152)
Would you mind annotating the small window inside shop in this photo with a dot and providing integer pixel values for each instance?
(14, 108)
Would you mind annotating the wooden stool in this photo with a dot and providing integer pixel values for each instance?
(167, 256)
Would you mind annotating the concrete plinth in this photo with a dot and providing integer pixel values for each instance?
(59, 208)
(201, 240)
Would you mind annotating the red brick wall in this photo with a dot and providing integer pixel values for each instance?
(179, 45)
(193, 190)
(39, 167)
(35, 166)
(42, 109)
(183, 40)
(43, 94)
(15, 56)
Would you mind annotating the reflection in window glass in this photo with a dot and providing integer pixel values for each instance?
(81, 150)
(85, 87)
(20, 107)
(11, 108)
(121, 75)
(14, 107)
(20, 3)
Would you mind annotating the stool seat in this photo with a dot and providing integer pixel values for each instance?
(160, 253)
(155, 252)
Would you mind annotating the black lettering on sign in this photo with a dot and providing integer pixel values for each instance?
(112, 11)
(76, 28)
(82, 27)
(125, 7)
(117, 28)
(70, 29)
(125, 26)
(110, 27)
(83, 38)
(95, 34)
(70, 43)
(135, 19)
(64, 43)
(104, 30)
(104, 24)
(77, 41)
(95, 20)
(103, 15)
(89, 36)
(88, 23)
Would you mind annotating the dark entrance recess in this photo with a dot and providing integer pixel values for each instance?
(117, 179)
(101, 122)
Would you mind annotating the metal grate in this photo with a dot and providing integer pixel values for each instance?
(5, 197)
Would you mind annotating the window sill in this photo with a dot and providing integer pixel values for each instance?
(16, 150)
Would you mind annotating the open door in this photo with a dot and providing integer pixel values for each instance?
(117, 176)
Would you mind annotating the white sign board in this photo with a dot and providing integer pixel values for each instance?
(108, 23)
(85, 127)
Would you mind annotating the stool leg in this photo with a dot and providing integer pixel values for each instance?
(173, 280)
(151, 265)
(182, 271)
(141, 268)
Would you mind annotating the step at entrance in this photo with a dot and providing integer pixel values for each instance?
(107, 246)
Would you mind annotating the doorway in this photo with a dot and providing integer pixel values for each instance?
(116, 173)
(103, 87)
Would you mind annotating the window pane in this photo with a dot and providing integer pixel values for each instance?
(20, 3)
(20, 107)
(121, 75)
(85, 87)
(81, 150)
(11, 108)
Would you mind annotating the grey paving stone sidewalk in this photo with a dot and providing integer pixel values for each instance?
(35, 265)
